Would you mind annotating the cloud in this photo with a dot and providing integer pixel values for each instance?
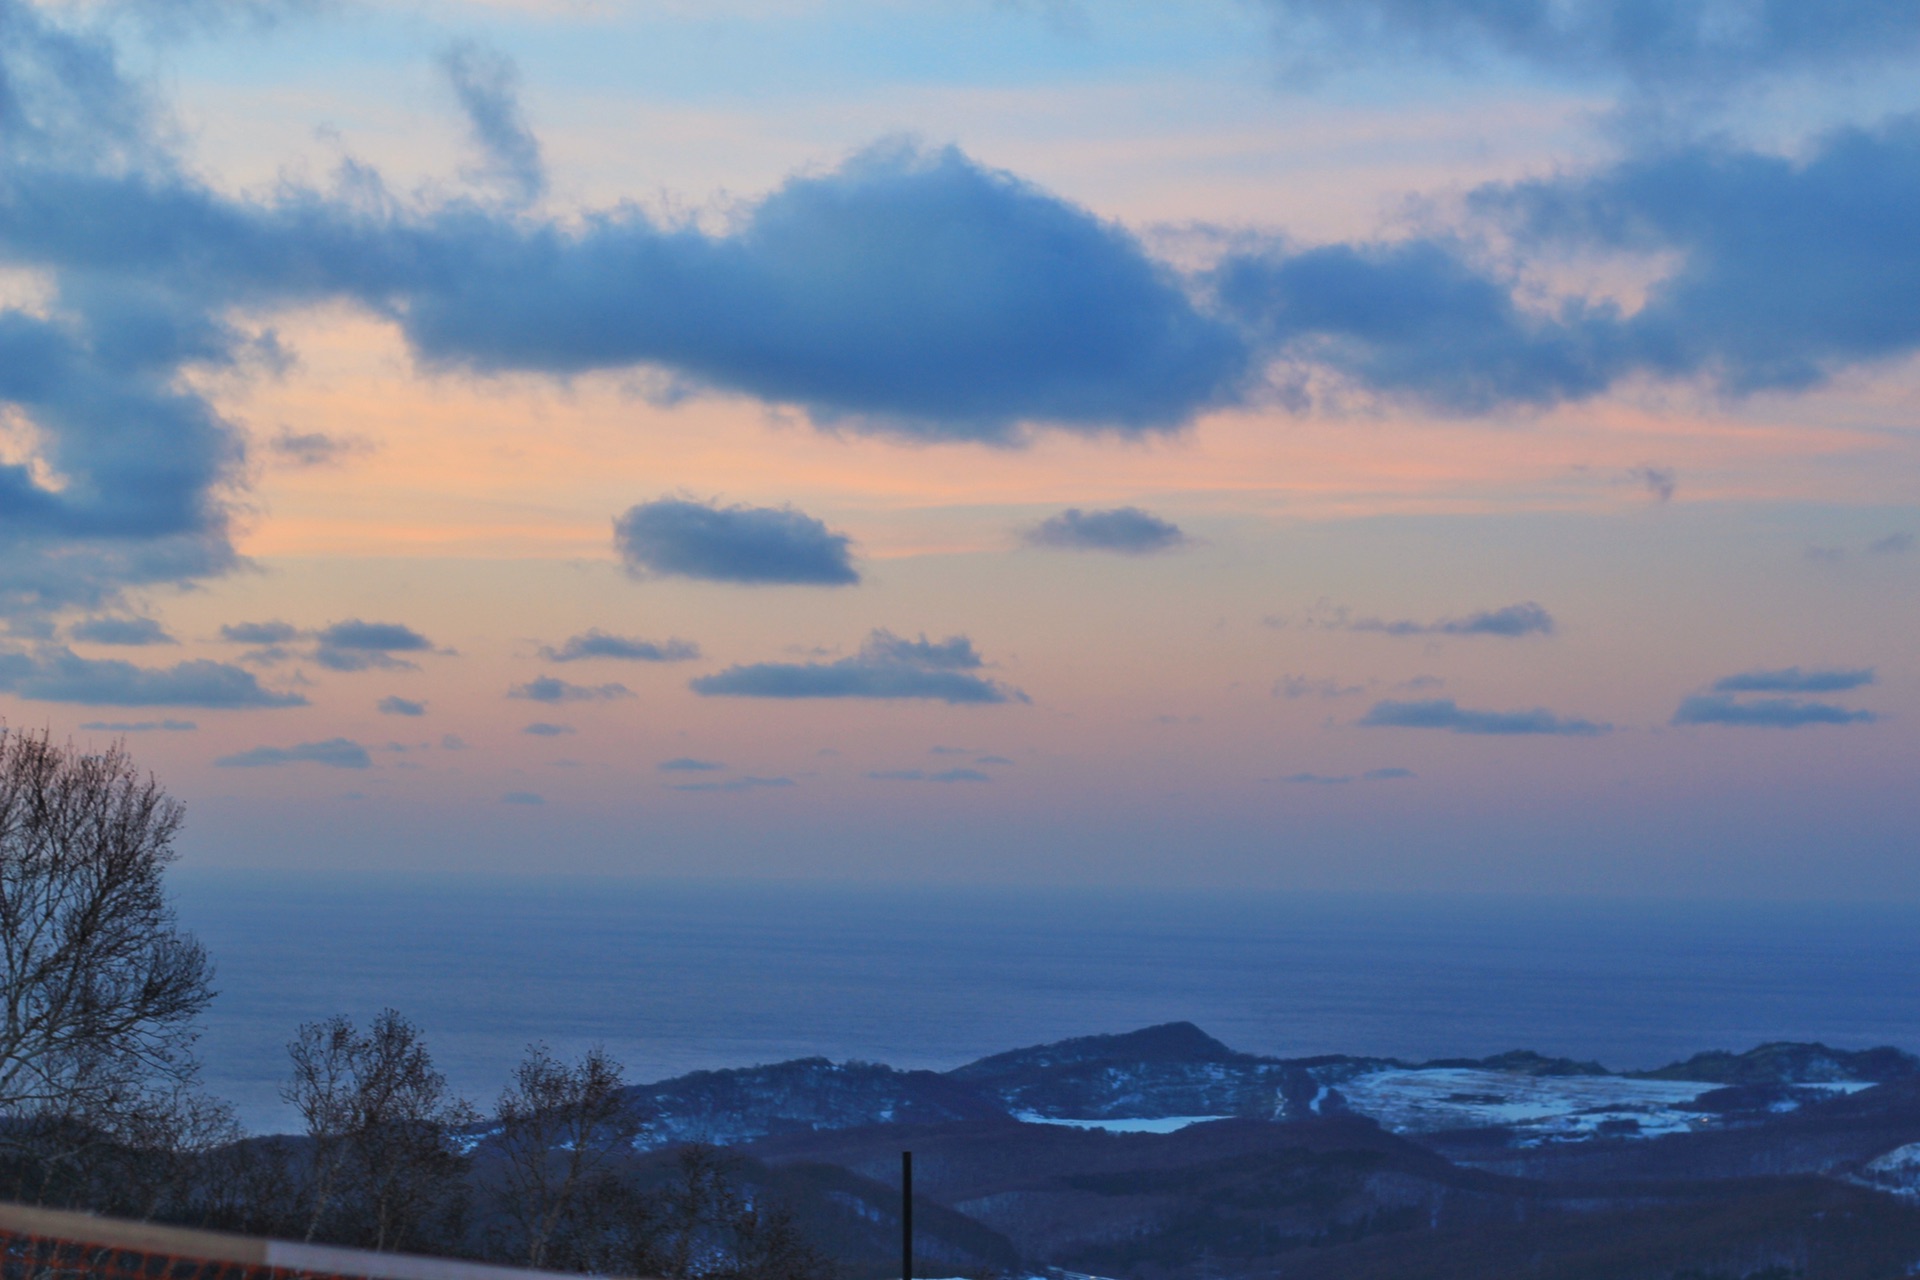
(733, 785)
(140, 726)
(265, 633)
(522, 797)
(1295, 687)
(1892, 545)
(1765, 713)
(355, 645)
(1319, 779)
(1658, 481)
(1511, 622)
(1122, 530)
(123, 631)
(1794, 680)
(1386, 775)
(552, 689)
(394, 705)
(913, 292)
(1002, 760)
(1442, 713)
(687, 764)
(680, 538)
(452, 742)
(598, 644)
(887, 666)
(336, 753)
(487, 85)
(60, 675)
(921, 775)
(545, 729)
(314, 448)
(1682, 44)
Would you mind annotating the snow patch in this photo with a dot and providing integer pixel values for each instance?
(1157, 1124)
(1537, 1108)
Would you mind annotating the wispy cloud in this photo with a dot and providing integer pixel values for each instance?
(687, 764)
(734, 786)
(395, 705)
(1444, 714)
(887, 667)
(553, 689)
(921, 775)
(1794, 680)
(120, 631)
(1765, 713)
(335, 753)
(547, 729)
(140, 726)
(598, 644)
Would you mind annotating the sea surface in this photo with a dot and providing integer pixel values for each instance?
(674, 977)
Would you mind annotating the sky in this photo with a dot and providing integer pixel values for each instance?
(1414, 445)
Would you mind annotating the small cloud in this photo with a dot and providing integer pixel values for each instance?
(1001, 760)
(1319, 779)
(120, 631)
(1794, 680)
(259, 633)
(1293, 687)
(315, 448)
(1442, 713)
(921, 775)
(1893, 544)
(756, 546)
(140, 726)
(398, 706)
(598, 644)
(1765, 713)
(1385, 775)
(1127, 531)
(687, 764)
(949, 751)
(733, 785)
(887, 666)
(355, 645)
(452, 742)
(1660, 482)
(1418, 683)
(335, 753)
(522, 797)
(551, 689)
(1510, 622)
(542, 729)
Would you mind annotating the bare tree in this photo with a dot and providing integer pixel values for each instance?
(385, 1151)
(99, 989)
(559, 1125)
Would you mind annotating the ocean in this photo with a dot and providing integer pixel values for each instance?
(675, 977)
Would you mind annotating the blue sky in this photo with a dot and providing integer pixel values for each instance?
(1390, 445)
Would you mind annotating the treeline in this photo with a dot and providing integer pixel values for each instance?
(100, 993)
(390, 1159)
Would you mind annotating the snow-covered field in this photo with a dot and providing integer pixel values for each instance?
(1546, 1107)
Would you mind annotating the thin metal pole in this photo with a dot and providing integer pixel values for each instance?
(906, 1215)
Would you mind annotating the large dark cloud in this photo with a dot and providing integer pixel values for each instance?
(677, 537)
(1669, 43)
(59, 675)
(1795, 680)
(1124, 530)
(1765, 713)
(598, 644)
(887, 666)
(909, 291)
(1443, 713)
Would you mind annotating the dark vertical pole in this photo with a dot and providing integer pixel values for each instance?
(906, 1215)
